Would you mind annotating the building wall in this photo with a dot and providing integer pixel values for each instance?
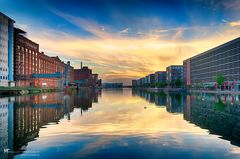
(82, 76)
(174, 72)
(29, 61)
(224, 59)
(134, 83)
(10, 50)
(93, 80)
(160, 77)
(71, 74)
(6, 52)
(46, 82)
(187, 72)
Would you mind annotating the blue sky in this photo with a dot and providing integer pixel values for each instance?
(126, 39)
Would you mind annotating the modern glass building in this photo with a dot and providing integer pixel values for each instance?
(6, 50)
(224, 59)
(160, 77)
(174, 72)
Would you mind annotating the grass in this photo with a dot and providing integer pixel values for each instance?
(25, 90)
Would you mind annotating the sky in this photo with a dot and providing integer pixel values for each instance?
(123, 40)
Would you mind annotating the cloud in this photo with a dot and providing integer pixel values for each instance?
(231, 4)
(178, 34)
(234, 23)
(86, 24)
(124, 30)
(136, 53)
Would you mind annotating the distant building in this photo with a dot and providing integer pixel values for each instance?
(94, 80)
(174, 72)
(6, 50)
(99, 83)
(112, 85)
(134, 83)
(160, 77)
(151, 79)
(82, 76)
(224, 60)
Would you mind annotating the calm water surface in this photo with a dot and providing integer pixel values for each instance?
(120, 124)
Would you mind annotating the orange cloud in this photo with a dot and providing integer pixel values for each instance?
(122, 58)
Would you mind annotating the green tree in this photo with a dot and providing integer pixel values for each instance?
(219, 79)
(219, 105)
(160, 85)
(177, 82)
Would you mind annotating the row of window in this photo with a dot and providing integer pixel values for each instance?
(3, 77)
(213, 74)
(3, 69)
(212, 62)
(217, 54)
(34, 46)
(3, 61)
(3, 114)
(234, 69)
(3, 106)
(212, 79)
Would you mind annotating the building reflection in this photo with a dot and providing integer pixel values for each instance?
(6, 126)
(218, 114)
(21, 118)
(84, 98)
(174, 102)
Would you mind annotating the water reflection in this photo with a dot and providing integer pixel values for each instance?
(219, 114)
(174, 102)
(117, 125)
(21, 118)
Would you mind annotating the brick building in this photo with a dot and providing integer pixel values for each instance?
(34, 68)
(82, 76)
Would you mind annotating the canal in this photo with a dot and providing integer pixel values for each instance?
(121, 123)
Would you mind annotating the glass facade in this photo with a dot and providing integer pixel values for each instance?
(6, 50)
(224, 59)
(174, 72)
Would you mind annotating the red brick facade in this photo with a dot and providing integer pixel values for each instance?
(82, 76)
(28, 61)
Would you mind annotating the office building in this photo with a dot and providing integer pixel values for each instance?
(6, 50)
(224, 59)
(173, 73)
(151, 79)
(160, 77)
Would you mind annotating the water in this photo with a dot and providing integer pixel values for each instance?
(120, 124)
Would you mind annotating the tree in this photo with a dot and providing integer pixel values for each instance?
(177, 82)
(219, 105)
(160, 85)
(219, 79)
